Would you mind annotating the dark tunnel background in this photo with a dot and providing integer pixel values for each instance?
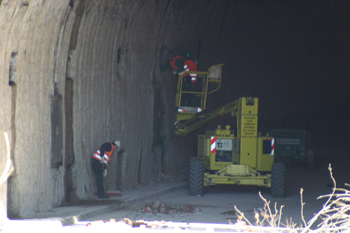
(293, 55)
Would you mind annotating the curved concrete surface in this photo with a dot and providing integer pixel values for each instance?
(77, 73)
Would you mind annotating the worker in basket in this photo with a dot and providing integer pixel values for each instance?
(179, 64)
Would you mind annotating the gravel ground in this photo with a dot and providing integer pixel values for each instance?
(217, 204)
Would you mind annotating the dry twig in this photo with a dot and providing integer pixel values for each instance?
(334, 214)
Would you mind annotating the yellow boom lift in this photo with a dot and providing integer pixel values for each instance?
(225, 157)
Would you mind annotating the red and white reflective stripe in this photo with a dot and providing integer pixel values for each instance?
(190, 109)
(186, 68)
(213, 145)
(98, 157)
(272, 146)
(193, 76)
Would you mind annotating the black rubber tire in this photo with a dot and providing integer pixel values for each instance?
(278, 180)
(311, 165)
(195, 178)
(191, 160)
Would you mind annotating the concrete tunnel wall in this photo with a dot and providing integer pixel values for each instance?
(100, 61)
(96, 63)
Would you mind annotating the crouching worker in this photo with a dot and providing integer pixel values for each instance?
(99, 162)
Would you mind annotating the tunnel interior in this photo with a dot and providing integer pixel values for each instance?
(83, 72)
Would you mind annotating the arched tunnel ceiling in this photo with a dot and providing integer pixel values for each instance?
(293, 55)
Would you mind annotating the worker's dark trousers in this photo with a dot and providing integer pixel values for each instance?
(188, 99)
(97, 167)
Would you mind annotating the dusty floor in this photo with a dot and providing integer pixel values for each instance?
(217, 204)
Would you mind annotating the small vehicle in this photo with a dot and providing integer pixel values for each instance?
(293, 146)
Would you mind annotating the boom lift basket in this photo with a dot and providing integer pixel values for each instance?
(191, 98)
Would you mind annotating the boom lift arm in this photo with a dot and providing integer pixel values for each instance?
(205, 117)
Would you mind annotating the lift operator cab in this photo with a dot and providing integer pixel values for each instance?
(225, 157)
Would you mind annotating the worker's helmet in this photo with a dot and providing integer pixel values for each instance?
(187, 53)
(117, 143)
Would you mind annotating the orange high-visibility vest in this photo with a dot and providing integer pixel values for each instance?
(106, 157)
(191, 66)
(172, 63)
